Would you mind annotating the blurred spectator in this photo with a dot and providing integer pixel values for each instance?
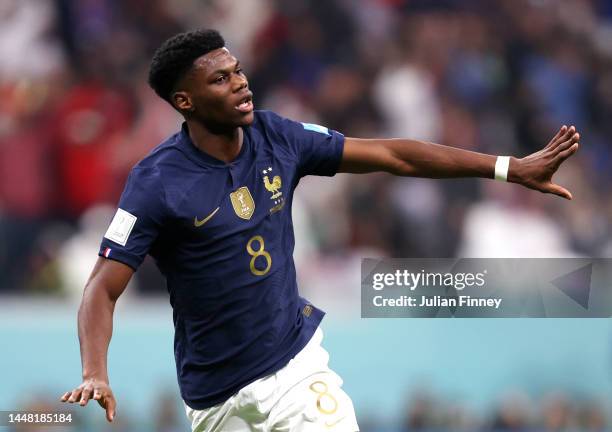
(512, 415)
(25, 179)
(557, 414)
(167, 416)
(591, 417)
(27, 46)
(88, 125)
(421, 414)
(43, 403)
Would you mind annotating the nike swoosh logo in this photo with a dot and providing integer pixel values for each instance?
(328, 424)
(198, 223)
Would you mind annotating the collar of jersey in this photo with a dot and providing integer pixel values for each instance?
(186, 144)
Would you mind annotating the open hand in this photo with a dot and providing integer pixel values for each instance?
(96, 389)
(536, 170)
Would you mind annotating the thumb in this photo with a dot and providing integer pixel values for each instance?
(558, 190)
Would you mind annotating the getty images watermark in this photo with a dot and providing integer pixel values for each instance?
(478, 288)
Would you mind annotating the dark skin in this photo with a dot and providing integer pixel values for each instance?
(422, 159)
(216, 102)
(208, 97)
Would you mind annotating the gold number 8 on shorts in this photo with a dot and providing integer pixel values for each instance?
(320, 388)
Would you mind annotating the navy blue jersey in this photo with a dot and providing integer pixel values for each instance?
(222, 235)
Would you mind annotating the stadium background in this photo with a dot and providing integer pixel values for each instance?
(493, 76)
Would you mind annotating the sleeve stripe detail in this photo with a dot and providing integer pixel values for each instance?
(316, 128)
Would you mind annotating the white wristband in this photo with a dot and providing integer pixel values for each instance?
(501, 168)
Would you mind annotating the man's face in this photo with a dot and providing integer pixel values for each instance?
(216, 92)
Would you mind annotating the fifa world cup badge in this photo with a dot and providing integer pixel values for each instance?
(243, 203)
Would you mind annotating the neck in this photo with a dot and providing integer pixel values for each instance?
(223, 145)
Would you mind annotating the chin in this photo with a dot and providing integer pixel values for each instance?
(247, 119)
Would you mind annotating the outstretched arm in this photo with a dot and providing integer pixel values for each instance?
(95, 321)
(422, 159)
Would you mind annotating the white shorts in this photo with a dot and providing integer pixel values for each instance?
(305, 395)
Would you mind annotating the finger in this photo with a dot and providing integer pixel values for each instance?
(568, 133)
(562, 156)
(559, 190)
(97, 395)
(75, 395)
(564, 137)
(567, 144)
(561, 132)
(85, 396)
(110, 408)
(65, 396)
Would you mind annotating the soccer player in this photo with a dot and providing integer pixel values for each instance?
(212, 205)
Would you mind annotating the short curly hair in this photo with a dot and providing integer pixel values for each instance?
(175, 56)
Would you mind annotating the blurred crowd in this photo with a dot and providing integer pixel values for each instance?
(425, 412)
(165, 416)
(494, 76)
(516, 412)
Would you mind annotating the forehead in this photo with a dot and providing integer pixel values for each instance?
(217, 59)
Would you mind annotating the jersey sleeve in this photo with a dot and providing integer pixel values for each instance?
(138, 220)
(317, 149)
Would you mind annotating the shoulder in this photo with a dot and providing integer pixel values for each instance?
(149, 177)
(165, 154)
(278, 129)
(282, 125)
(271, 121)
(265, 117)
(275, 133)
(167, 163)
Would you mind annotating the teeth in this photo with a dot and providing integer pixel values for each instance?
(244, 105)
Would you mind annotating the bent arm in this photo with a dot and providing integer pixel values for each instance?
(413, 158)
(95, 319)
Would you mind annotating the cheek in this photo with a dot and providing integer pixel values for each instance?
(213, 99)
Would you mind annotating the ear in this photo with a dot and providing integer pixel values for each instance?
(182, 101)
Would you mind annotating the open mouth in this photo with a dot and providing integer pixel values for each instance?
(245, 105)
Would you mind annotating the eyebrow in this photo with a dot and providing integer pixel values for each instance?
(229, 68)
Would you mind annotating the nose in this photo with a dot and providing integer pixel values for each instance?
(240, 82)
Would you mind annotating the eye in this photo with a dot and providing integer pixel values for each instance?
(221, 79)
(240, 71)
